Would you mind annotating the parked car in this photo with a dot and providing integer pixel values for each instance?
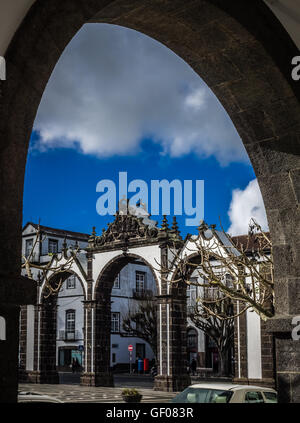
(226, 393)
(25, 396)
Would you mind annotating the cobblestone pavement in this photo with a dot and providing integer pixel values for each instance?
(92, 394)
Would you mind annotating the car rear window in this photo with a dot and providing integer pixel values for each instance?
(254, 397)
(201, 395)
(270, 396)
(218, 396)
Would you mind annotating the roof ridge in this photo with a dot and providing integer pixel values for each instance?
(35, 225)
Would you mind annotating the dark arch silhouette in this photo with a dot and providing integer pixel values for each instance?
(240, 50)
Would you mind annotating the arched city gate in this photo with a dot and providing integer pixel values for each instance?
(127, 239)
(243, 53)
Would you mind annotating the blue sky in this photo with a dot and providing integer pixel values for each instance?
(120, 101)
(60, 184)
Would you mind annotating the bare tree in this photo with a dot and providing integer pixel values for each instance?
(141, 321)
(54, 269)
(242, 271)
(204, 316)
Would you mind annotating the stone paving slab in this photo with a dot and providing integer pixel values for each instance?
(93, 394)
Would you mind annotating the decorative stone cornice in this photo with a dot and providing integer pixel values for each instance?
(125, 230)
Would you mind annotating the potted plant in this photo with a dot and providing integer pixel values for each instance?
(131, 395)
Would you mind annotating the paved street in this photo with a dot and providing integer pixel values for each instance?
(120, 379)
(70, 391)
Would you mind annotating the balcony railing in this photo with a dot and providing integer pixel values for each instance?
(69, 336)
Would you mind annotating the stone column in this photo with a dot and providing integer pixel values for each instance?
(28, 373)
(287, 356)
(47, 357)
(172, 350)
(240, 346)
(9, 353)
(88, 375)
(22, 375)
(16, 291)
(172, 324)
(284, 223)
(267, 356)
(103, 374)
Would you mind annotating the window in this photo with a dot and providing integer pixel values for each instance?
(192, 338)
(28, 246)
(70, 322)
(254, 397)
(115, 322)
(270, 396)
(113, 357)
(117, 282)
(53, 246)
(71, 282)
(140, 278)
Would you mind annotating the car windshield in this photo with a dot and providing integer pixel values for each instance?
(202, 395)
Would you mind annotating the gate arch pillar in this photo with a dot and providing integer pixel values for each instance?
(172, 352)
(47, 358)
(97, 370)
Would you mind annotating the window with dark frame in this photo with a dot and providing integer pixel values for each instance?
(71, 282)
(115, 322)
(52, 246)
(140, 281)
(70, 322)
(28, 246)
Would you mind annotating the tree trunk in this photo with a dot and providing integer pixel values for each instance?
(222, 368)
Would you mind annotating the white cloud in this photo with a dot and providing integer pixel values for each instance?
(114, 86)
(246, 204)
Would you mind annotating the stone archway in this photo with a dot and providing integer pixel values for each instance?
(242, 52)
(126, 240)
